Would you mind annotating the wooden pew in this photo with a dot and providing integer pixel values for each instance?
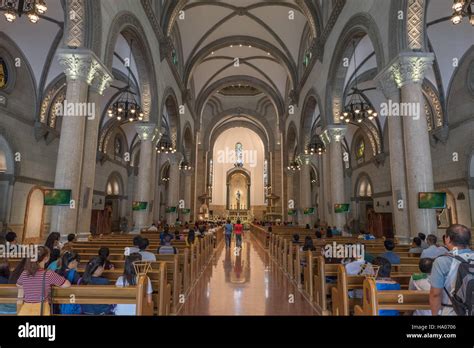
(341, 302)
(374, 300)
(90, 294)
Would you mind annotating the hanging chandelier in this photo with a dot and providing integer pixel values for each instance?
(294, 166)
(165, 145)
(126, 107)
(315, 147)
(185, 166)
(16, 8)
(463, 8)
(357, 110)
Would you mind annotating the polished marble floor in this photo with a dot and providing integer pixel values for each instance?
(245, 282)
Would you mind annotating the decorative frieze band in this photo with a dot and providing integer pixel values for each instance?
(83, 64)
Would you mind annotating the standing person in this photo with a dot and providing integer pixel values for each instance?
(228, 228)
(130, 278)
(238, 231)
(444, 273)
(36, 283)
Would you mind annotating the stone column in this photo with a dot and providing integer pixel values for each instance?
(173, 186)
(305, 189)
(290, 175)
(332, 136)
(146, 132)
(408, 71)
(188, 176)
(326, 188)
(387, 84)
(82, 68)
(90, 156)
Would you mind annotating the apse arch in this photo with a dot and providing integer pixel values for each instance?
(129, 26)
(357, 27)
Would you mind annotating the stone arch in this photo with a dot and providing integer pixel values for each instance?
(170, 105)
(188, 141)
(128, 25)
(33, 226)
(311, 102)
(363, 179)
(357, 27)
(115, 178)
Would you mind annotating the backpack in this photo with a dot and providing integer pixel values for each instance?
(462, 297)
(72, 308)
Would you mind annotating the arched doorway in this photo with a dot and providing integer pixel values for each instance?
(34, 216)
(107, 219)
(364, 205)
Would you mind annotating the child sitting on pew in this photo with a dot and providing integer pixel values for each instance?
(104, 253)
(130, 278)
(384, 282)
(421, 281)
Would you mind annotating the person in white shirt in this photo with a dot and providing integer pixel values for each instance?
(433, 251)
(130, 278)
(146, 255)
(153, 228)
(422, 236)
(421, 281)
(358, 267)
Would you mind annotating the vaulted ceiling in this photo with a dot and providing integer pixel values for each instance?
(244, 42)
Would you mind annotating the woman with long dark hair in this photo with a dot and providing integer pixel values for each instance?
(36, 282)
(93, 276)
(52, 243)
(130, 278)
(69, 262)
(104, 253)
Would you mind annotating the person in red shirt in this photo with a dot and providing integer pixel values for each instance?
(238, 231)
(36, 283)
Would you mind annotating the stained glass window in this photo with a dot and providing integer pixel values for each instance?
(360, 149)
(239, 156)
(3, 74)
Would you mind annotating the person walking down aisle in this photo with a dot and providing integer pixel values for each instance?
(238, 231)
(228, 228)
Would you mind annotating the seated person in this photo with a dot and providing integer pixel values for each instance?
(433, 250)
(335, 231)
(134, 249)
(421, 281)
(366, 235)
(10, 238)
(358, 267)
(93, 276)
(167, 248)
(384, 282)
(71, 238)
(329, 233)
(56, 255)
(69, 262)
(296, 239)
(104, 253)
(146, 255)
(424, 244)
(390, 255)
(166, 231)
(177, 235)
(130, 278)
(319, 235)
(153, 228)
(416, 246)
(308, 246)
(6, 308)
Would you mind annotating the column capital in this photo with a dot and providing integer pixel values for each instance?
(83, 64)
(175, 158)
(146, 131)
(305, 159)
(407, 67)
(333, 133)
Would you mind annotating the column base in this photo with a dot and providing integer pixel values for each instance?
(404, 240)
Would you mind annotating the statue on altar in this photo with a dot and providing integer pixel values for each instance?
(237, 196)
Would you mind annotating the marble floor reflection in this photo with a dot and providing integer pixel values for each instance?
(245, 282)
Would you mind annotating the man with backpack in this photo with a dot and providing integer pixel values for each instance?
(452, 276)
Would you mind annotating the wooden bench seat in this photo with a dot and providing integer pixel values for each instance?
(402, 300)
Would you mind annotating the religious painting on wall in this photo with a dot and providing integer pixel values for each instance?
(3, 74)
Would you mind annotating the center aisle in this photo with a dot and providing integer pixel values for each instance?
(245, 283)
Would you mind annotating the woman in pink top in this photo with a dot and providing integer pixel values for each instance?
(238, 231)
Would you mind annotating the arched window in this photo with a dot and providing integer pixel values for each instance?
(365, 188)
(118, 146)
(113, 187)
(3, 162)
(360, 150)
(3, 74)
(239, 154)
